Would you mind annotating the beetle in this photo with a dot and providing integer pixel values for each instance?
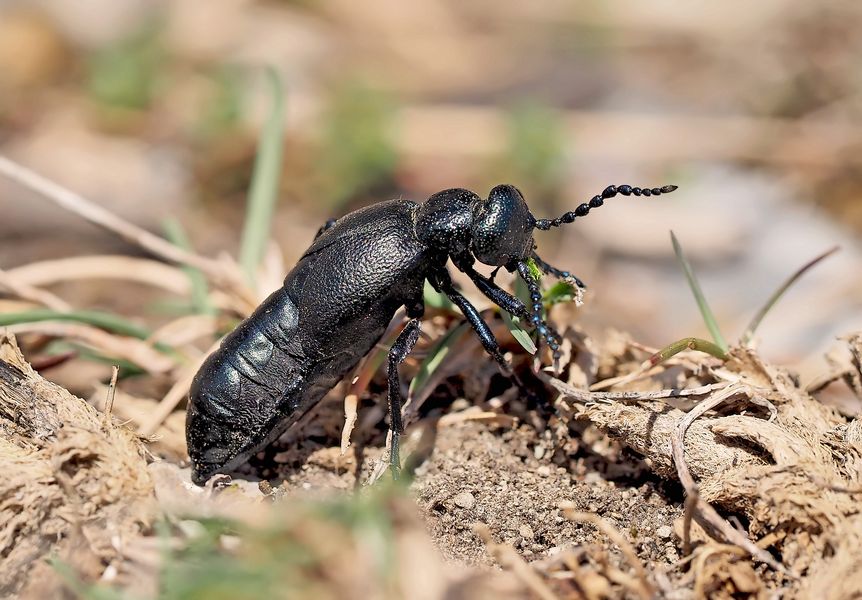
(339, 299)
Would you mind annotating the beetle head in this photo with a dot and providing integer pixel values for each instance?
(502, 232)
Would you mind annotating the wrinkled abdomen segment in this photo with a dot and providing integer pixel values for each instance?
(248, 391)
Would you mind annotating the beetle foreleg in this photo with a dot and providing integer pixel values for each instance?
(397, 353)
(545, 331)
(443, 283)
(494, 293)
(558, 273)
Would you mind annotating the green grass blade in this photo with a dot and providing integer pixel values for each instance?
(690, 343)
(705, 310)
(263, 192)
(435, 299)
(436, 356)
(200, 290)
(776, 296)
(522, 336)
(102, 320)
(558, 293)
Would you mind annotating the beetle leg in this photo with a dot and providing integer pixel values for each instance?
(442, 282)
(545, 331)
(397, 353)
(329, 223)
(511, 304)
(559, 274)
(515, 307)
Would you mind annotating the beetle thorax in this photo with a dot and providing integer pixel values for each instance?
(445, 221)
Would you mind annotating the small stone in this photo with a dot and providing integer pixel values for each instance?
(465, 500)
(544, 471)
(526, 532)
(664, 532)
(539, 452)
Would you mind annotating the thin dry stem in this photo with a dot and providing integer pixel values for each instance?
(112, 267)
(219, 272)
(177, 392)
(628, 397)
(25, 291)
(112, 392)
(702, 511)
(124, 347)
(645, 588)
(510, 560)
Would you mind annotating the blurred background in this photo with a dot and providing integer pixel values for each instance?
(153, 109)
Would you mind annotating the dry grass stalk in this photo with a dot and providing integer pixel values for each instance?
(124, 268)
(128, 348)
(510, 560)
(644, 588)
(175, 395)
(223, 273)
(25, 291)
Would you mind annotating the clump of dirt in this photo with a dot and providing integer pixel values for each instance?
(75, 485)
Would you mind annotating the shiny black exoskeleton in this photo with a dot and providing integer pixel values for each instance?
(337, 302)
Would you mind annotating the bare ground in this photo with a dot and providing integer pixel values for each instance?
(494, 485)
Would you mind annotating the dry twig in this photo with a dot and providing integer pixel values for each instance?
(509, 559)
(644, 588)
(698, 509)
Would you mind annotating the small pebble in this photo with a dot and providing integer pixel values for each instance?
(465, 500)
(544, 471)
(664, 532)
(526, 532)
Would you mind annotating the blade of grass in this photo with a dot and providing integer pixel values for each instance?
(106, 321)
(646, 367)
(263, 192)
(521, 336)
(199, 288)
(435, 299)
(690, 343)
(705, 310)
(776, 296)
(436, 356)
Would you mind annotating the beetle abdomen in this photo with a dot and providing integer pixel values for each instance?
(248, 391)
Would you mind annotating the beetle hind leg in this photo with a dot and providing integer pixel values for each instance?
(397, 353)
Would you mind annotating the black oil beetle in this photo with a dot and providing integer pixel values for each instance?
(337, 302)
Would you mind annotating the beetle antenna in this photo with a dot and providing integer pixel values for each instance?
(596, 201)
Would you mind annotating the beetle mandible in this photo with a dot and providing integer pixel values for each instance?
(338, 300)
